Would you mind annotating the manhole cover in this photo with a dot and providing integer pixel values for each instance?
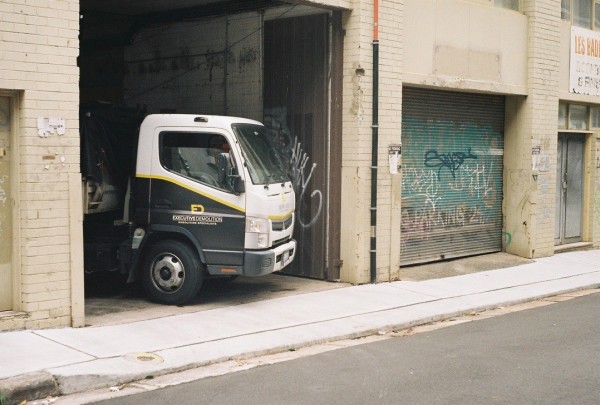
(144, 357)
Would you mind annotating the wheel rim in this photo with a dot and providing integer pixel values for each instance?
(168, 273)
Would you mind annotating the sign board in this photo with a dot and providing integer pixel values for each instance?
(584, 77)
(395, 157)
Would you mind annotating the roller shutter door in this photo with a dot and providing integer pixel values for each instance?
(453, 150)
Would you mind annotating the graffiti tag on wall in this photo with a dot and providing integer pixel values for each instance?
(452, 161)
(299, 169)
(450, 184)
(300, 180)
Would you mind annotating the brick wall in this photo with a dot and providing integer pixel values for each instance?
(530, 123)
(357, 135)
(530, 207)
(391, 14)
(38, 69)
(356, 145)
(596, 215)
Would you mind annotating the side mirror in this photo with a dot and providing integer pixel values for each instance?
(227, 174)
(238, 184)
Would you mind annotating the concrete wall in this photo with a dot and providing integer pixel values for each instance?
(38, 70)
(465, 46)
(451, 44)
(217, 69)
(357, 135)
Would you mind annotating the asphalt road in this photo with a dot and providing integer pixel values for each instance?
(547, 355)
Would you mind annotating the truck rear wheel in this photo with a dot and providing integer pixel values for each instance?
(172, 273)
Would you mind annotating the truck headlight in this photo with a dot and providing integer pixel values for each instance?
(260, 227)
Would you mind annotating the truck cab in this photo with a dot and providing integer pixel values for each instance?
(209, 197)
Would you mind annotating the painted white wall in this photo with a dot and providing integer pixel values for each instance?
(38, 70)
(465, 45)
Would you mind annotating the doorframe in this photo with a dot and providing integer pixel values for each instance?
(586, 185)
(333, 257)
(331, 94)
(15, 103)
(589, 186)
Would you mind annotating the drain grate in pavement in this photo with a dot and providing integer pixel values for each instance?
(145, 357)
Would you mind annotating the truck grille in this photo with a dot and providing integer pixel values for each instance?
(281, 241)
(283, 224)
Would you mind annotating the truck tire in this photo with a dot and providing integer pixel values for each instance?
(172, 273)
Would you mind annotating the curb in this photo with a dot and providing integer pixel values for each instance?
(27, 387)
(77, 383)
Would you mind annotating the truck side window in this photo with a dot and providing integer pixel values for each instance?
(194, 155)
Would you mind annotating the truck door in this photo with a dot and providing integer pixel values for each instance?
(188, 194)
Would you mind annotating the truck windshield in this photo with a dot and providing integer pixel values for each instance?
(262, 158)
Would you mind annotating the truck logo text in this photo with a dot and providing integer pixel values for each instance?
(197, 208)
(197, 219)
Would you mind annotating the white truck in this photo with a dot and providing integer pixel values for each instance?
(194, 196)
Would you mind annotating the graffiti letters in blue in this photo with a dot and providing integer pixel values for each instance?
(452, 161)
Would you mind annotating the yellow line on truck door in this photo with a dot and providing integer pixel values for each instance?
(192, 189)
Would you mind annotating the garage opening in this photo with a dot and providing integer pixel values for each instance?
(452, 185)
(222, 58)
(296, 109)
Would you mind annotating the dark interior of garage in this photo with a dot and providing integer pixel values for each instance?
(300, 67)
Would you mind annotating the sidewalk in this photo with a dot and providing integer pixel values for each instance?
(64, 361)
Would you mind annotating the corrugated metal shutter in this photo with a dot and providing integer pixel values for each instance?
(453, 150)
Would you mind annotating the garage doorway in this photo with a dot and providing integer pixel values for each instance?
(300, 54)
(452, 168)
(252, 60)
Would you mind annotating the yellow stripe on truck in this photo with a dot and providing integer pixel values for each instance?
(192, 189)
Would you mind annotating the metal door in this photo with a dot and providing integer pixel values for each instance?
(5, 207)
(569, 188)
(452, 165)
(297, 116)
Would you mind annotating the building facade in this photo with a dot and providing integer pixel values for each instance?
(433, 129)
(477, 95)
(40, 214)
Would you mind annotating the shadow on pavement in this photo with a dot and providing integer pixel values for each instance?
(109, 300)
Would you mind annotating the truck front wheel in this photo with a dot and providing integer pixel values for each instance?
(172, 273)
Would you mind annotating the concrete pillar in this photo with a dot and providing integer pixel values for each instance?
(357, 135)
(531, 135)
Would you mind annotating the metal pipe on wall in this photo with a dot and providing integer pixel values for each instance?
(374, 142)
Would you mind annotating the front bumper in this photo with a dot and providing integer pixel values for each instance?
(261, 262)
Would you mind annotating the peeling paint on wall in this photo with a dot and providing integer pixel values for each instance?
(357, 108)
(50, 126)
